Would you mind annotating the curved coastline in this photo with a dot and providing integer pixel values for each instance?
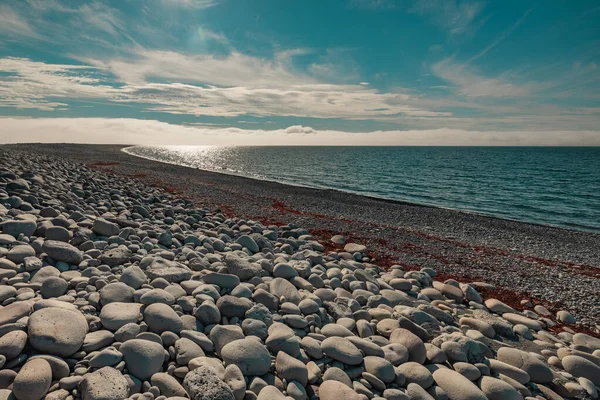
(572, 226)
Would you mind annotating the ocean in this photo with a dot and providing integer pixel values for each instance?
(557, 186)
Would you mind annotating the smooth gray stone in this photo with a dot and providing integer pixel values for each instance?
(251, 356)
(291, 369)
(57, 331)
(172, 271)
(115, 315)
(16, 227)
(341, 349)
(12, 344)
(62, 251)
(33, 380)
(142, 357)
(168, 385)
(241, 268)
(162, 318)
(456, 385)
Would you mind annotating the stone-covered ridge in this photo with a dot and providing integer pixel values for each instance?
(111, 289)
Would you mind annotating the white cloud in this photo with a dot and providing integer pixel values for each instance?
(470, 82)
(30, 84)
(299, 129)
(456, 16)
(236, 69)
(318, 101)
(148, 132)
(12, 24)
(336, 66)
(374, 4)
(34, 85)
(97, 16)
(206, 34)
(193, 3)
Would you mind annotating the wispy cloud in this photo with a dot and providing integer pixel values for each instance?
(456, 16)
(374, 4)
(13, 25)
(314, 101)
(34, 85)
(193, 3)
(29, 84)
(236, 69)
(336, 66)
(469, 82)
(96, 16)
(501, 38)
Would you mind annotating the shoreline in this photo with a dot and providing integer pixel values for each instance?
(555, 266)
(578, 228)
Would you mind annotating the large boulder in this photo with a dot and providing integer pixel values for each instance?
(241, 267)
(116, 292)
(496, 389)
(456, 385)
(57, 331)
(61, 251)
(334, 390)
(18, 227)
(103, 227)
(168, 385)
(538, 371)
(33, 380)
(172, 271)
(203, 383)
(249, 355)
(283, 288)
(416, 347)
(15, 311)
(104, 384)
(342, 350)
(232, 306)
(12, 344)
(248, 242)
(582, 368)
(162, 318)
(116, 256)
(115, 315)
(143, 358)
(587, 341)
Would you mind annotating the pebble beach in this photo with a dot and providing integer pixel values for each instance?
(125, 278)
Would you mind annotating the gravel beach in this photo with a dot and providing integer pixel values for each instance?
(125, 278)
(557, 267)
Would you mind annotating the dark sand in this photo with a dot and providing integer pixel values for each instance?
(553, 266)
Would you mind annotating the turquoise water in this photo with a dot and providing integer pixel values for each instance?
(548, 185)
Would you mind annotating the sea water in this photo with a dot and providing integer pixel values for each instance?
(547, 185)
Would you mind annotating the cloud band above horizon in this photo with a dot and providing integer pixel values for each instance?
(151, 132)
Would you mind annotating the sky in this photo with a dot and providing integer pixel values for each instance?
(257, 72)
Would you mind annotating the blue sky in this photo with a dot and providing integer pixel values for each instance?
(509, 71)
